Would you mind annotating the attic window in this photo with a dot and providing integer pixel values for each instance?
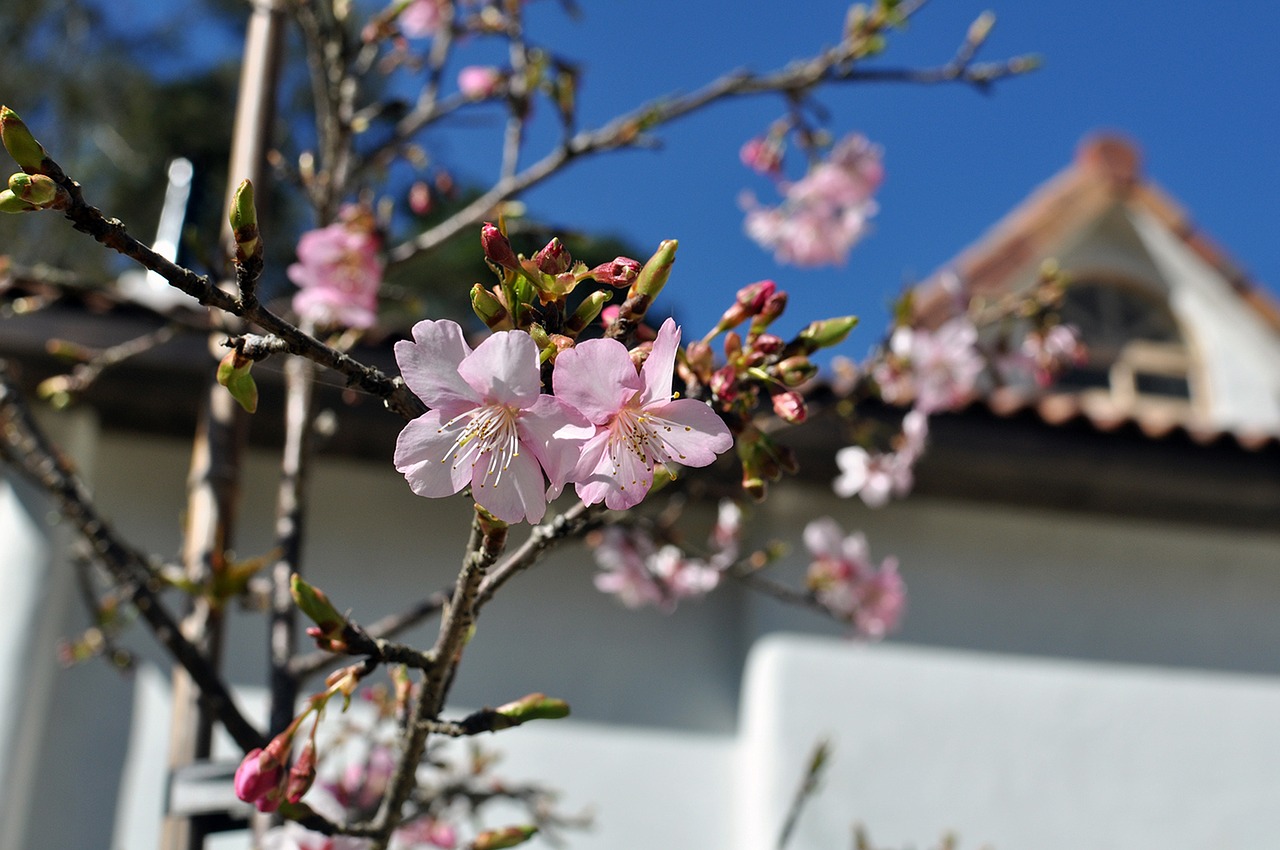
(1137, 355)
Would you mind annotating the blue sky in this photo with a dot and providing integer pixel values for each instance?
(1196, 85)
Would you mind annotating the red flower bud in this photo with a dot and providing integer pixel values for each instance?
(553, 259)
(497, 249)
(621, 271)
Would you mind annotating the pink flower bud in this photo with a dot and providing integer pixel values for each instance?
(619, 272)
(761, 155)
(420, 200)
(753, 296)
(553, 259)
(258, 779)
(479, 82)
(767, 344)
(497, 249)
(724, 383)
(790, 406)
(302, 774)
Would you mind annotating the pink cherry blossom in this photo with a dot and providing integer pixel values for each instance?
(337, 274)
(421, 18)
(640, 573)
(824, 214)
(937, 370)
(876, 476)
(844, 579)
(638, 424)
(479, 82)
(489, 427)
(1043, 355)
(763, 155)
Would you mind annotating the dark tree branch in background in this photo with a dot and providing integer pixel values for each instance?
(797, 81)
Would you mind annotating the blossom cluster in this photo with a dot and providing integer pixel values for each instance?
(639, 572)
(822, 215)
(847, 582)
(338, 273)
(605, 429)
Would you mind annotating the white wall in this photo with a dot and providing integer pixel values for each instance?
(994, 579)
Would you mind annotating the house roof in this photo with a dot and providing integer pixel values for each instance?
(1106, 174)
(1107, 171)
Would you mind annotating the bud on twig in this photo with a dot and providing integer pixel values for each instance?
(587, 311)
(19, 142)
(531, 707)
(488, 308)
(313, 602)
(825, 333)
(655, 273)
(497, 249)
(244, 223)
(233, 373)
(554, 258)
(621, 271)
(499, 839)
(39, 190)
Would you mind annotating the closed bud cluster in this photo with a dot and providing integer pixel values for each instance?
(749, 302)
(39, 190)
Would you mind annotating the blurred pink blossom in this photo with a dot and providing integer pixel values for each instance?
(479, 82)
(421, 18)
(763, 155)
(338, 274)
(844, 579)
(1043, 355)
(824, 214)
(935, 370)
(876, 476)
(640, 573)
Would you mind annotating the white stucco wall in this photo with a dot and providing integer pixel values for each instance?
(999, 580)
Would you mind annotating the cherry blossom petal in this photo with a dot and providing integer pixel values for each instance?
(696, 433)
(555, 432)
(515, 494)
(824, 538)
(597, 377)
(430, 363)
(504, 369)
(422, 455)
(660, 366)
